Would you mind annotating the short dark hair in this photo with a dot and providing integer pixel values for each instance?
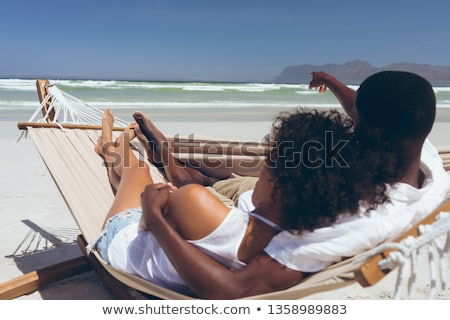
(402, 104)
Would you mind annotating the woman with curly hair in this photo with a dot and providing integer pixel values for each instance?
(312, 155)
(322, 168)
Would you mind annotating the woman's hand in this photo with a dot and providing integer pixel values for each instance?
(154, 202)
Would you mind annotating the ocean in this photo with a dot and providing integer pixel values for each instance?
(187, 101)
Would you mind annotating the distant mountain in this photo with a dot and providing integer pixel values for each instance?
(354, 72)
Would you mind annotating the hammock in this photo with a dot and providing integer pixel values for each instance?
(68, 152)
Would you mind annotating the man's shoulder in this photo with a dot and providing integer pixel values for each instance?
(429, 150)
(432, 165)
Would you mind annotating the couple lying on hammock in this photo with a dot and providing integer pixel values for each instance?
(331, 186)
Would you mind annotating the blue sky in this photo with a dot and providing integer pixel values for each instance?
(228, 40)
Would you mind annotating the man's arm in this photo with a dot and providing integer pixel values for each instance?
(203, 275)
(211, 280)
(344, 94)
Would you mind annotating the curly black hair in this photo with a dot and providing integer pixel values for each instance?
(321, 168)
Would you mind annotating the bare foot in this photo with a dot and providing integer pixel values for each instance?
(176, 172)
(145, 130)
(104, 143)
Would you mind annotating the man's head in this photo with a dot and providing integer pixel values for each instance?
(401, 104)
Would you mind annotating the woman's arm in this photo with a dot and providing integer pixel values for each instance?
(203, 275)
(192, 210)
(344, 94)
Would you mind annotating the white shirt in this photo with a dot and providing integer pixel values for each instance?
(315, 251)
(139, 252)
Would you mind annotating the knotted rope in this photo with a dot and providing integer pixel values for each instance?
(405, 256)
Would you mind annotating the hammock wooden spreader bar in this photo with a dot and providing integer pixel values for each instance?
(177, 144)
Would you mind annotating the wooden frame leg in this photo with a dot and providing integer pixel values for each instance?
(35, 280)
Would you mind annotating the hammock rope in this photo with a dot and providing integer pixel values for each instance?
(69, 109)
(405, 257)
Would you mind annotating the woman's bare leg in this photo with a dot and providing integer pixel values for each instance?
(105, 148)
(132, 174)
(176, 172)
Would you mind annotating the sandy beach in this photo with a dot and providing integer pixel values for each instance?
(38, 230)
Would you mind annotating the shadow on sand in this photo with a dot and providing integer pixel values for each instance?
(43, 247)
